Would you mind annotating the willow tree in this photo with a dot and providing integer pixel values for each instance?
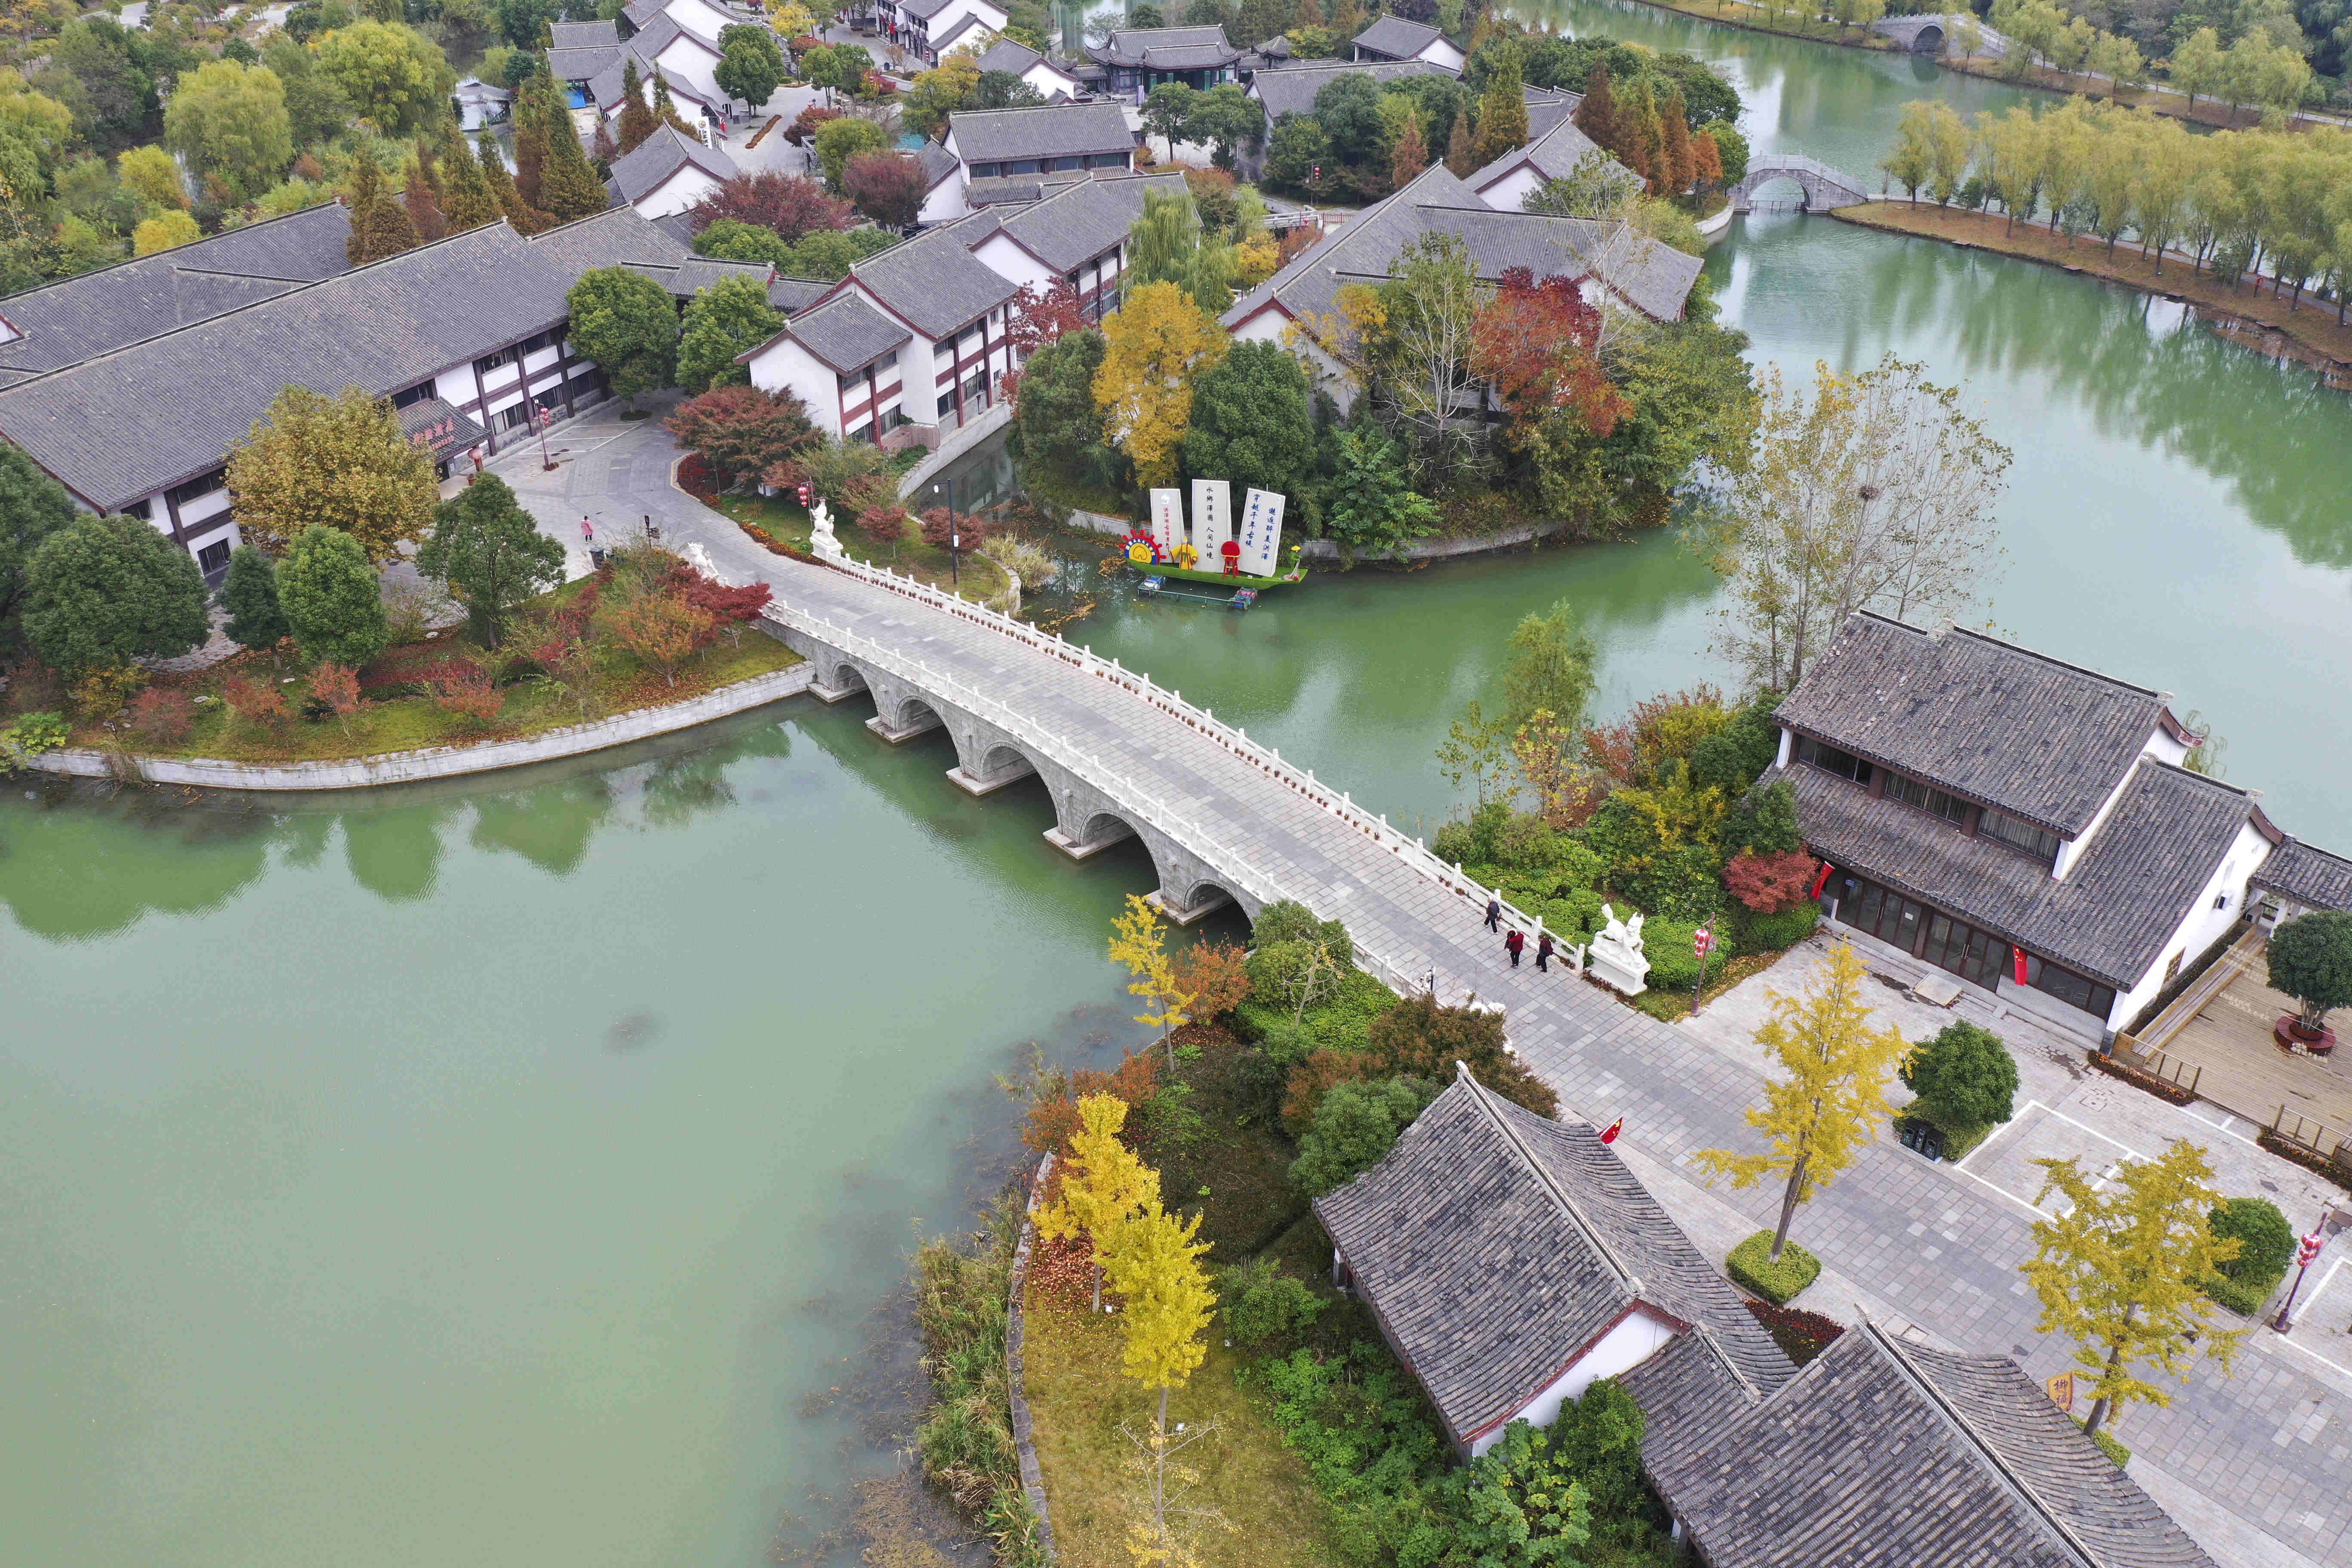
(1875, 492)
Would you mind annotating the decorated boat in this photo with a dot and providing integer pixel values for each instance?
(1212, 552)
(1184, 567)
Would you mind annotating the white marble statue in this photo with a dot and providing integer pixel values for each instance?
(821, 539)
(1618, 960)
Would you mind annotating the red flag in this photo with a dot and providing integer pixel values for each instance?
(1614, 1128)
(2017, 953)
(1823, 880)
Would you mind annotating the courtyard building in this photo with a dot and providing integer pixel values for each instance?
(987, 144)
(928, 29)
(1137, 59)
(1394, 38)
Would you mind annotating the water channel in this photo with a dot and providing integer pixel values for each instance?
(514, 1173)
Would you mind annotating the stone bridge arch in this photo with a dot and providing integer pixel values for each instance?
(1825, 188)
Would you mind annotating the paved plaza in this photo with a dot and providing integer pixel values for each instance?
(2254, 1463)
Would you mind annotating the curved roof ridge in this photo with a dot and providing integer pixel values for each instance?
(1484, 1098)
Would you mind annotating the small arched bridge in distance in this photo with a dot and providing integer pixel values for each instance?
(1826, 188)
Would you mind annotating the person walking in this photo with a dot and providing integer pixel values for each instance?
(1513, 943)
(1494, 912)
(1543, 953)
(587, 534)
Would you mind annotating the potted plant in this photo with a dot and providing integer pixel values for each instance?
(2311, 961)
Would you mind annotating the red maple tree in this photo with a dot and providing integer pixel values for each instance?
(1771, 883)
(741, 430)
(1034, 317)
(791, 204)
(888, 188)
(1538, 346)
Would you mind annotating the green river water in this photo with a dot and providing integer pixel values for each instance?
(520, 1172)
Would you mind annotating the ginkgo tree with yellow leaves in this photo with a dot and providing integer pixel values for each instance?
(1102, 1184)
(1154, 348)
(2121, 1272)
(1831, 1097)
(1165, 1298)
(1138, 942)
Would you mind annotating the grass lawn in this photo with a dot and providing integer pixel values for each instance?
(410, 723)
(2311, 324)
(783, 521)
(1092, 1485)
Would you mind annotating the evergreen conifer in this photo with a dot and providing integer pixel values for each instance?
(526, 218)
(637, 120)
(1503, 111)
(568, 187)
(467, 200)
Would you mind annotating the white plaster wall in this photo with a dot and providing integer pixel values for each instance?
(2202, 926)
(1632, 1342)
(947, 202)
(688, 186)
(696, 17)
(1510, 193)
(1441, 53)
(954, 10)
(1049, 81)
(689, 61)
(785, 366)
(1004, 256)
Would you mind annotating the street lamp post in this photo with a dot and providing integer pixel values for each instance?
(955, 535)
(2306, 1252)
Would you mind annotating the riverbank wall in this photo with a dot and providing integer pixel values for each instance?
(1331, 555)
(433, 762)
(2307, 334)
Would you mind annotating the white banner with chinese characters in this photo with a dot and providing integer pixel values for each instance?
(1261, 532)
(1167, 521)
(1213, 521)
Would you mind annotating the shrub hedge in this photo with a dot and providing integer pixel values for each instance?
(1751, 1266)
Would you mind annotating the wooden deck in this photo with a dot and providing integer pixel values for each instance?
(2215, 1040)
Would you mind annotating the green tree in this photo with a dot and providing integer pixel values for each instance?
(394, 77)
(526, 218)
(1348, 107)
(751, 67)
(1056, 436)
(490, 552)
(723, 320)
(1420, 1037)
(1912, 158)
(102, 591)
(1297, 148)
(340, 462)
(837, 141)
(1829, 1099)
(316, 108)
(1253, 421)
(467, 200)
(1167, 110)
(1356, 1125)
(154, 176)
(33, 506)
(1964, 1075)
(1549, 666)
(2265, 1240)
(568, 186)
(256, 620)
(1502, 112)
(381, 226)
(2311, 961)
(333, 603)
(625, 322)
(1525, 1507)
(111, 63)
(1368, 502)
(1226, 118)
(229, 121)
(637, 120)
(2121, 1271)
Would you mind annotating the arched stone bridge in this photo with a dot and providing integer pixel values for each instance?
(1825, 188)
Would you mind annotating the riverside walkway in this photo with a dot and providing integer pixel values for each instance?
(2250, 1464)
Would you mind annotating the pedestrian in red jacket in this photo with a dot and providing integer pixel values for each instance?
(1514, 943)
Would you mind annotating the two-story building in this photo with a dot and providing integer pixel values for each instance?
(131, 386)
(1136, 60)
(912, 343)
(987, 144)
(681, 37)
(591, 59)
(928, 29)
(2023, 823)
(1394, 38)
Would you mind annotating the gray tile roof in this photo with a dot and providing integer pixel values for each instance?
(940, 165)
(605, 86)
(2311, 876)
(1889, 1455)
(2007, 727)
(1166, 48)
(1048, 131)
(76, 318)
(1013, 56)
(1085, 217)
(586, 62)
(696, 273)
(1547, 106)
(123, 426)
(793, 295)
(955, 37)
(582, 36)
(1291, 89)
(1397, 38)
(1553, 154)
(1655, 278)
(846, 332)
(2124, 895)
(1497, 1246)
(440, 427)
(641, 172)
(922, 10)
(934, 281)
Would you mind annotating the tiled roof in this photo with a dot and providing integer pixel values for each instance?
(954, 36)
(606, 88)
(940, 165)
(1012, 56)
(846, 332)
(582, 36)
(1553, 155)
(440, 427)
(696, 273)
(1496, 1247)
(1655, 278)
(584, 62)
(1887, 1455)
(121, 426)
(2000, 724)
(74, 319)
(1397, 38)
(1291, 89)
(1085, 217)
(2309, 875)
(1166, 48)
(641, 13)
(793, 295)
(1046, 131)
(1547, 106)
(2121, 899)
(934, 281)
(642, 171)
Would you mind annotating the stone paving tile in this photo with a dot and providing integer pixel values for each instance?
(1939, 1250)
